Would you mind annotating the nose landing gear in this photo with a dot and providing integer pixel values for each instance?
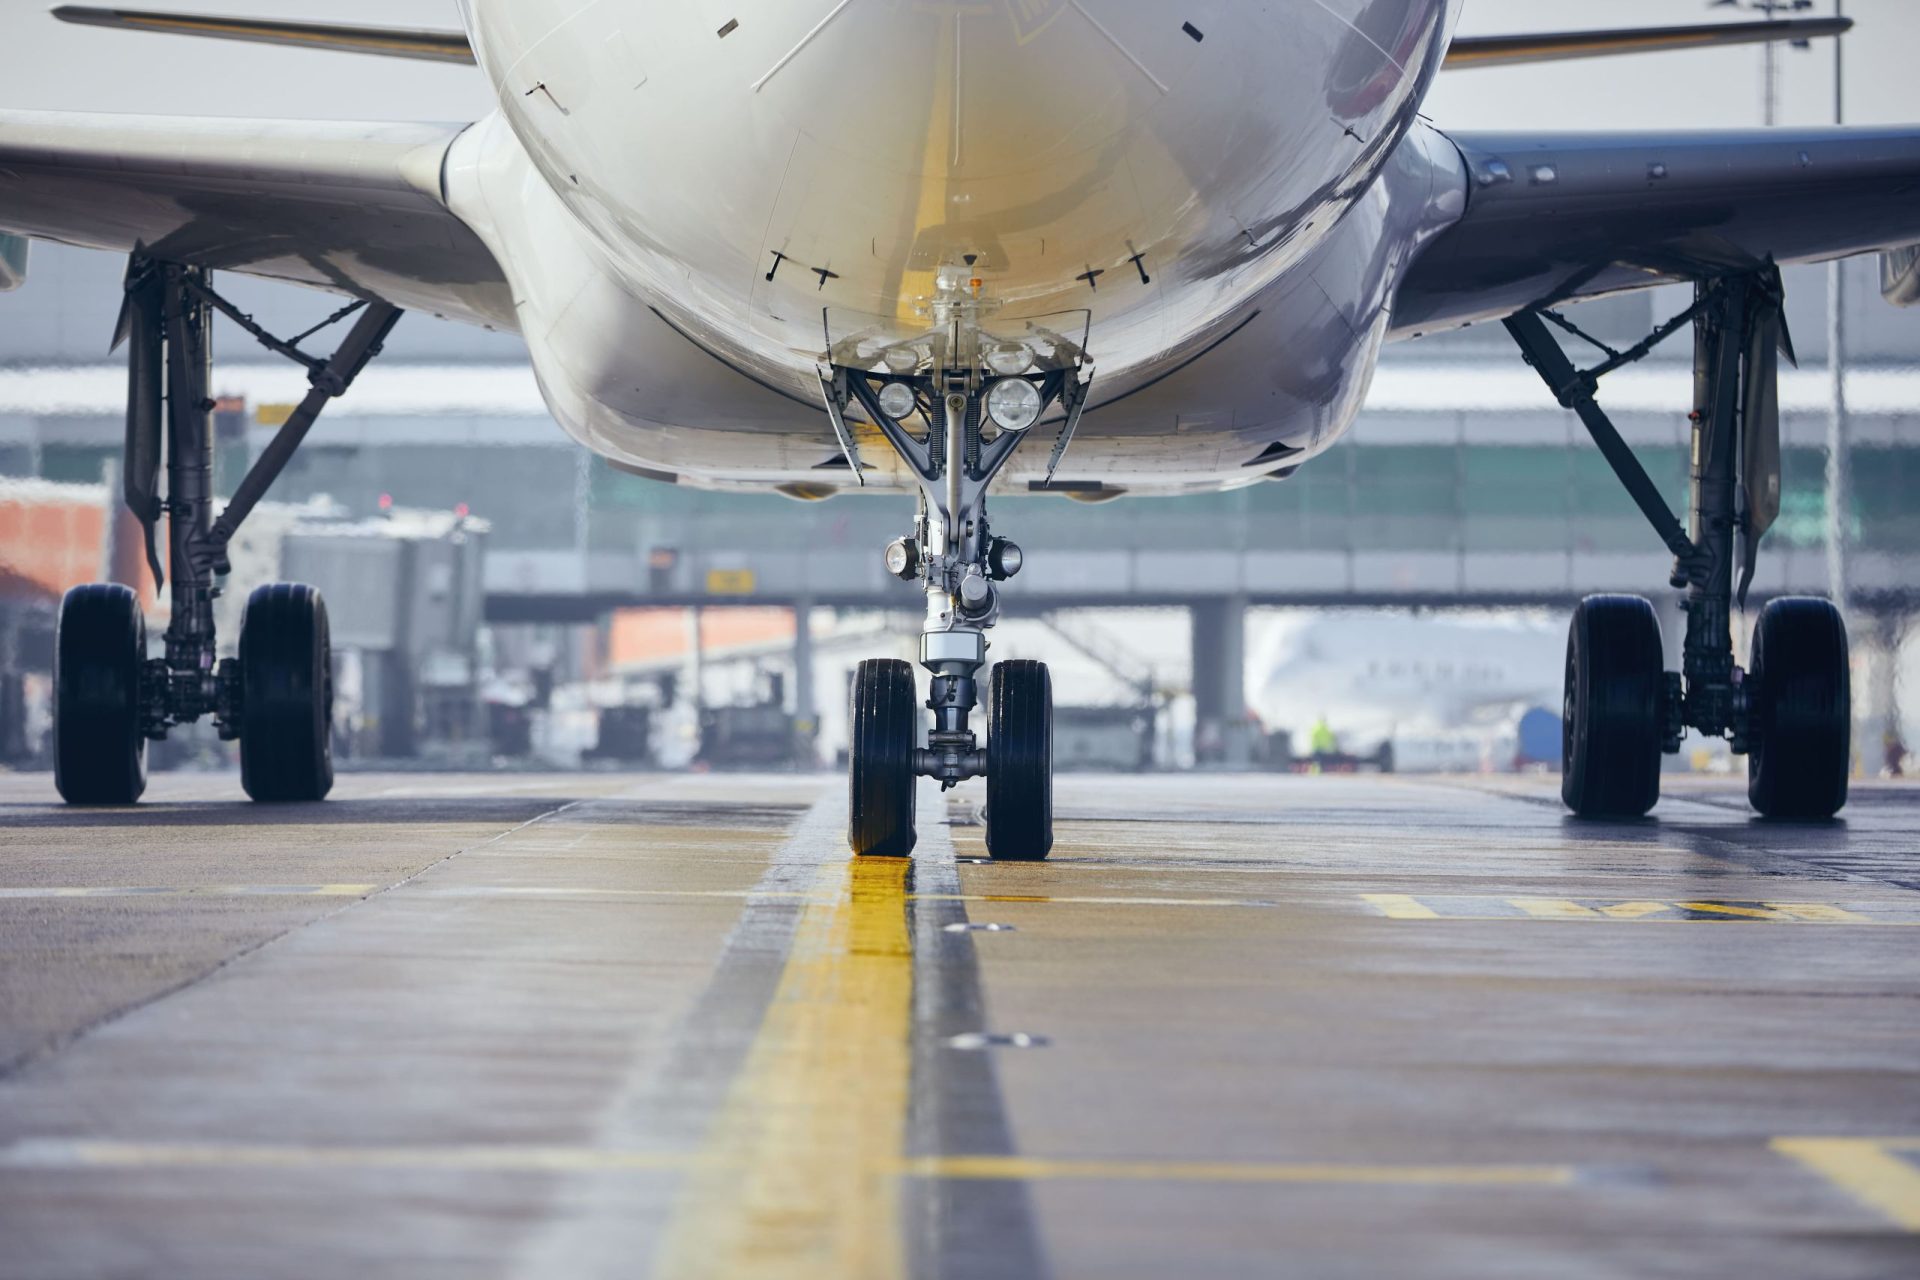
(955, 556)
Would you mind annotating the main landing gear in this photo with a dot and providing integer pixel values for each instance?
(1790, 714)
(110, 699)
(954, 404)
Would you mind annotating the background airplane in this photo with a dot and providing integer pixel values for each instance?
(1438, 692)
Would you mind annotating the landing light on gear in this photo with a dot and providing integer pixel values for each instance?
(903, 559)
(1004, 559)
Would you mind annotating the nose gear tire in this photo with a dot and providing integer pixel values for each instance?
(1612, 724)
(1020, 761)
(286, 679)
(99, 748)
(880, 777)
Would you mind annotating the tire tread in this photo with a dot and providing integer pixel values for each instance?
(100, 748)
(880, 777)
(286, 750)
(1611, 765)
(1020, 760)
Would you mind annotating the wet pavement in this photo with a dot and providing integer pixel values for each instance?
(619, 1025)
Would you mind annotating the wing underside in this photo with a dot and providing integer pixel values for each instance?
(1550, 218)
(348, 207)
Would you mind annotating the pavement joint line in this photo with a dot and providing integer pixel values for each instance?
(590, 891)
(194, 891)
(1500, 907)
(104, 1155)
(1871, 1170)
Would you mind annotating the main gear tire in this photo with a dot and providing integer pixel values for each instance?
(1800, 710)
(286, 695)
(100, 655)
(1612, 717)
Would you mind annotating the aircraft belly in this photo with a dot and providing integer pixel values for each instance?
(1211, 201)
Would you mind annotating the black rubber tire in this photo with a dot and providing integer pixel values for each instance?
(1020, 761)
(1612, 715)
(100, 652)
(1800, 703)
(286, 694)
(880, 778)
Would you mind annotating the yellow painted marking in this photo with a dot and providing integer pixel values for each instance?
(1634, 910)
(1401, 906)
(463, 1158)
(1866, 1168)
(194, 891)
(794, 1177)
(1820, 912)
(1730, 909)
(1029, 1169)
(1553, 908)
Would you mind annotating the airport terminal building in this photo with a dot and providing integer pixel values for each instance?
(1463, 487)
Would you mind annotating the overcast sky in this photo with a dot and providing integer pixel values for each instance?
(52, 65)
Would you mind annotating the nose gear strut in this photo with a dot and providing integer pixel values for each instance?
(955, 456)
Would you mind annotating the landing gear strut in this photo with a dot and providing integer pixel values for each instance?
(971, 418)
(1790, 715)
(110, 699)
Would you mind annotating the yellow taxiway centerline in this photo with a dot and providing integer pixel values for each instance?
(794, 1178)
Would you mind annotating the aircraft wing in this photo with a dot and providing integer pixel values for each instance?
(1552, 217)
(353, 208)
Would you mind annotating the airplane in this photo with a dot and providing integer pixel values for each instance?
(812, 246)
(1427, 693)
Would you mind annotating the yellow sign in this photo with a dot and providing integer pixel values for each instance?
(730, 582)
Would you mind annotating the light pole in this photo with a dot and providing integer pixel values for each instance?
(1837, 433)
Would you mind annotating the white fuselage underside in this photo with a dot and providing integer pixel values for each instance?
(692, 200)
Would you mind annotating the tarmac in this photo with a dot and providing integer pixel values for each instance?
(620, 1025)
